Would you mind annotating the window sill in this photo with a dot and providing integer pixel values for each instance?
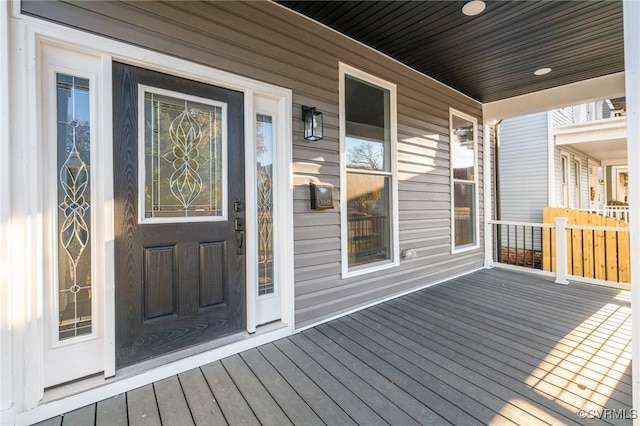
(375, 267)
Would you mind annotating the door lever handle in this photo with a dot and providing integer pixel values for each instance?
(240, 241)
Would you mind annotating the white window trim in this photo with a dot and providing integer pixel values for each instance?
(475, 181)
(394, 261)
(28, 33)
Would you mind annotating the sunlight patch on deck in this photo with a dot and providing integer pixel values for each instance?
(534, 410)
(583, 369)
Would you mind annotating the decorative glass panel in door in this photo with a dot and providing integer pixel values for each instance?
(74, 198)
(264, 158)
(184, 158)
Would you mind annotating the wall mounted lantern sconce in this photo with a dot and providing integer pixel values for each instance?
(312, 123)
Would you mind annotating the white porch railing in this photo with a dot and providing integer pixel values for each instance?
(615, 212)
(520, 245)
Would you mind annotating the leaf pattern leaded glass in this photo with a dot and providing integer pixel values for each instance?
(183, 158)
(74, 198)
(264, 156)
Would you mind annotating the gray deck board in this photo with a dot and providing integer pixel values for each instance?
(507, 353)
(80, 417)
(142, 407)
(291, 403)
(485, 370)
(492, 365)
(493, 347)
(372, 397)
(261, 402)
(172, 403)
(204, 408)
(511, 335)
(425, 371)
(321, 403)
(448, 411)
(112, 411)
(235, 408)
(347, 400)
(406, 402)
(53, 421)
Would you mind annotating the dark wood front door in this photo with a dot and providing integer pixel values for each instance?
(179, 219)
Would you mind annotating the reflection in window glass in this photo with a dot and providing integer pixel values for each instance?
(462, 153)
(464, 213)
(264, 158)
(364, 154)
(368, 218)
(367, 144)
(463, 171)
(183, 155)
(74, 200)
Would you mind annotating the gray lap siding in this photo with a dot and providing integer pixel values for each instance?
(266, 42)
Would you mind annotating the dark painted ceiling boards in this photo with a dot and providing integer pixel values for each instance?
(491, 56)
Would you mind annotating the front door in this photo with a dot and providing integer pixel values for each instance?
(179, 213)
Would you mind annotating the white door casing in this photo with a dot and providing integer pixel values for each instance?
(95, 352)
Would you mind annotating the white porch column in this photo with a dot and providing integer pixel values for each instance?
(632, 82)
(487, 162)
(561, 250)
(6, 379)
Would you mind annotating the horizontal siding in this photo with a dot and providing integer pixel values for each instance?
(266, 42)
(523, 167)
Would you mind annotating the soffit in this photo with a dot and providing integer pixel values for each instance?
(491, 56)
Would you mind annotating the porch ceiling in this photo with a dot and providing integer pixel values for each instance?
(491, 56)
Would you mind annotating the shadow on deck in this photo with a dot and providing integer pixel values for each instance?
(492, 347)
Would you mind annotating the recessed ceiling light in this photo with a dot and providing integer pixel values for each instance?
(542, 71)
(473, 8)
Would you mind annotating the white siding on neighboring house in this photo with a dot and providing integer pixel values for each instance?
(575, 201)
(523, 167)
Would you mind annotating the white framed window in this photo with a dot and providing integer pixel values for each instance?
(464, 181)
(369, 207)
(564, 176)
(577, 183)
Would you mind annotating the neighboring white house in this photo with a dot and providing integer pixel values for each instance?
(573, 157)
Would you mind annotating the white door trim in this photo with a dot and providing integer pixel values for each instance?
(27, 34)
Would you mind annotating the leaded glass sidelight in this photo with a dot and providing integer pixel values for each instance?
(183, 154)
(74, 200)
(264, 159)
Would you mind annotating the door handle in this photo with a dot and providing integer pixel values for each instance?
(240, 241)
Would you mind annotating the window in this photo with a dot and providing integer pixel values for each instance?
(368, 135)
(577, 184)
(564, 161)
(464, 178)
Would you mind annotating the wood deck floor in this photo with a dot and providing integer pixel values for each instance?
(494, 347)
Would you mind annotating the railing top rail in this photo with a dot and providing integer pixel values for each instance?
(551, 225)
(606, 209)
(598, 228)
(532, 224)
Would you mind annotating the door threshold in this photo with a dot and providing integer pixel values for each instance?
(92, 382)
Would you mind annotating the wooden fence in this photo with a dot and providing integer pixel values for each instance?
(591, 253)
